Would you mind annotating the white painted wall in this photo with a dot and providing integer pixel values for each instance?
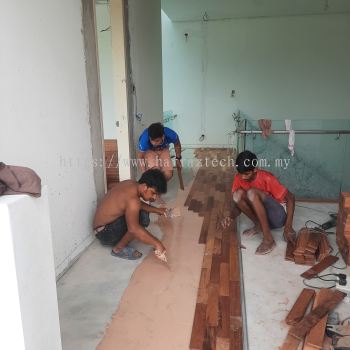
(28, 303)
(296, 67)
(146, 62)
(103, 21)
(45, 114)
(138, 58)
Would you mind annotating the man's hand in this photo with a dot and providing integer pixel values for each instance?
(289, 235)
(161, 211)
(159, 246)
(226, 222)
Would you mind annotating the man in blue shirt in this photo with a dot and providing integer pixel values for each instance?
(154, 149)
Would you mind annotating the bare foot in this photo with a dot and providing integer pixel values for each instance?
(252, 231)
(265, 247)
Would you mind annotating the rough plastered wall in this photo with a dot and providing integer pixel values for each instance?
(44, 113)
(144, 67)
(104, 35)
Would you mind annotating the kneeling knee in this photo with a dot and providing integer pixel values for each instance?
(237, 196)
(252, 194)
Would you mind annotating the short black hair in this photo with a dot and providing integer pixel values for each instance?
(155, 131)
(246, 161)
(154, 178)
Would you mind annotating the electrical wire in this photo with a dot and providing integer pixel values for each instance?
(310, 286)
(329, 274)
(319, 226)
(323, 279)
(339, 268)
(314, 222)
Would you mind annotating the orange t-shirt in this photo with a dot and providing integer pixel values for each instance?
(264, 181)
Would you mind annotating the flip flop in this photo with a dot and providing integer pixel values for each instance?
(266, 251)
(250, 232)
(127, 253)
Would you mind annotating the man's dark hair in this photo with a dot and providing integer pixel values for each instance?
(154, 178)
(246, 161)
(155, 131)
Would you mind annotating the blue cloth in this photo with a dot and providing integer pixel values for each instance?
(112, 233)
(275, 212)
(170, 136)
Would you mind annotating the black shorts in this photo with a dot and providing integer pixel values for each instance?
(112, 233)
(275, 212)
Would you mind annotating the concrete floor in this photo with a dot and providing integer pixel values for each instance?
(91, 290)
(157, 308)
(272, 284)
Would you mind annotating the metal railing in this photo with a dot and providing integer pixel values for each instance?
(316, 132)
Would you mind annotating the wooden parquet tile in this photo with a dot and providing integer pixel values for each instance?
(217, 323)
(300, 306)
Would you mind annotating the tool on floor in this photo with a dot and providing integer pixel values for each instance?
(340, 335)
(172, 213)
(330, 223)
(333, 318)
(161, 255)
(343, 285)
(338, 329)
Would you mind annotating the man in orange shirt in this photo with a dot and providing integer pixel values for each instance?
(259, 195)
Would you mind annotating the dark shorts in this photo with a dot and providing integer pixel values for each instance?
(275, 212)
(112, 233)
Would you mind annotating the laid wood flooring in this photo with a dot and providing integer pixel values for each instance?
(218, 314)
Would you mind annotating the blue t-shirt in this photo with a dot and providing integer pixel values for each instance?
(170, 136)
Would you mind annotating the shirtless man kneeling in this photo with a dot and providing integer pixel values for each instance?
(122, 216)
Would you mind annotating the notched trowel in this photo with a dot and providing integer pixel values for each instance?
(161, 255)
(171, 213)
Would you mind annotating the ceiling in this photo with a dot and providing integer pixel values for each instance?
(185, 10)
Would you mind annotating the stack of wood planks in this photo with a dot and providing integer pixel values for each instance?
(310, 328)
(217, 321)
(343, 226)
(312, 245)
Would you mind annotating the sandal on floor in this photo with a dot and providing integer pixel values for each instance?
(265, 249)
(127, 253)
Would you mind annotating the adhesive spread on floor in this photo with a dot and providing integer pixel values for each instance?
(157, 308)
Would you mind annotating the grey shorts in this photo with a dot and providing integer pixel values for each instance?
(112, 233)
(275, 212)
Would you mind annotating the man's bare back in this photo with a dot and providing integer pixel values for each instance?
(122, 216)
(115, 202)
